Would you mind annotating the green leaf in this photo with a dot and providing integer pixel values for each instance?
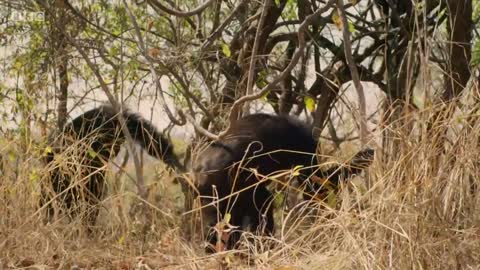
(279, 199)
(33, 177)
(114, 51)
(121, 240)
(11, 156)
(226, 50)
(475, 54)
(331, 199)
(262, 81)
(48, 150)
(290, 10)
(227, 218)
(265, 96)
(296, 170)
(91, 153)
(351, 27)
(309, 103)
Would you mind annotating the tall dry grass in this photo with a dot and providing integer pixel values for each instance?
(417, 208)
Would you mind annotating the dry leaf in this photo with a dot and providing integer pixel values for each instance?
(154, 52)
(26, 262)
(337, 20)
(149, 25)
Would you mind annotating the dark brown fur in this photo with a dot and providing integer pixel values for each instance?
(268, 144)
(94, 138)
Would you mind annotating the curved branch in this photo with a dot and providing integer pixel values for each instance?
(275, 39)
(179, 13)
(197, 127)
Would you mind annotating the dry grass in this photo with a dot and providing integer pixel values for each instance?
(418, 212)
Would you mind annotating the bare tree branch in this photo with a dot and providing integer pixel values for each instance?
(347, 45)
(179, 13)
(256, 44)
(198, 127)
(94, 25)
(234, 112)
(144, 51)
(220, 28)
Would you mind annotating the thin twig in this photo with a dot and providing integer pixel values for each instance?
(256, 44)
(118, 109)
(94, 25)
(347, 45)
(225, 23)
(144, 51)
(179, 13)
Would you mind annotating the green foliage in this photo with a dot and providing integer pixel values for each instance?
(34, 176)
(476, 9)
(351, 27)
(262, 79)
(226, 49)
(227, 218)
(309, 103)
(476, 45)
(475, 54)
(91, 153)
(296, 170)
(290, 12)
(279, 199)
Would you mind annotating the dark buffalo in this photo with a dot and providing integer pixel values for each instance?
(256, 146)
(87, 143)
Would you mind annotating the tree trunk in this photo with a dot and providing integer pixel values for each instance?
(63, 91)
(58, 21)
(457, 72)
(459, 26)
(328, 88)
